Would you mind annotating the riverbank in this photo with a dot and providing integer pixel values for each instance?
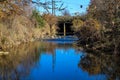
(21, 29)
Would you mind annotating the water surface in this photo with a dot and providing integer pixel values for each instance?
(51, 61)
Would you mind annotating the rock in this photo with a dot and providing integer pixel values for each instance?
(52, 37)
(80, 49)
(86, 45)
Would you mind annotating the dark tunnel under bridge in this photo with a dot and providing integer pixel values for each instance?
(65, 28)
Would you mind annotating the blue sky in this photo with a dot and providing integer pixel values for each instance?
(73, 6)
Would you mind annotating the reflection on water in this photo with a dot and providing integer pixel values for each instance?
(101, 64)
(56, 61)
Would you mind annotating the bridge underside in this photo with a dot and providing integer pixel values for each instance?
(68, 30)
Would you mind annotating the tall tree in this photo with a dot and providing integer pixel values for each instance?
(108, 13)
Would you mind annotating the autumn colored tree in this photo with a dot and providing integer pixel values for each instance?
(89, 31)
(51, 20)
(108, 13)
(8, 7)
(77, 23)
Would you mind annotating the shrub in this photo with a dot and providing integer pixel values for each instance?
(90, 31)
(39, 21)
(77, 23)
(51, 20)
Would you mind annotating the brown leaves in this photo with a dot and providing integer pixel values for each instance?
(105, 9)
(50, 19)
(12, 7)
(77, 23)
(90, 30)
(2, 1)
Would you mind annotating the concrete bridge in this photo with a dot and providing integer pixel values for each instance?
(65, 27)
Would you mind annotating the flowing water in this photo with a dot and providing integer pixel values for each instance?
(54, 61)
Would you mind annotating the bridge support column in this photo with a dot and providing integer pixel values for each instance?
(64, 30)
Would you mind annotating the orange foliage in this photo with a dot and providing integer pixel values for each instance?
(50, 19)
(12, 7)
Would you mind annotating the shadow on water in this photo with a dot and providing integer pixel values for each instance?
(56, 61)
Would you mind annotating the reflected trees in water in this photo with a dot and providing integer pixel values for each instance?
(18, 62)
(21, 59)
(101, 64)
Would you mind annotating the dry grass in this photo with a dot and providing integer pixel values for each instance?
(17, 29)
(90, 30)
